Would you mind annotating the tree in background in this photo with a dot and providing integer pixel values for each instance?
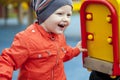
(21, 7)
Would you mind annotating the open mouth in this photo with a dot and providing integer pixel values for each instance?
(61, 25)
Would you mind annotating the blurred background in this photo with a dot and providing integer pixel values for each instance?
(16, 15)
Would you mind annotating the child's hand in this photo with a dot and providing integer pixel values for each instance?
(79, 45)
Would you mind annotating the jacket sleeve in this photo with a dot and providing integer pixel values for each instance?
(71, 53)
(12, 58)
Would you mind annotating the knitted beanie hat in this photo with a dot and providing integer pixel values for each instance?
(44, 8)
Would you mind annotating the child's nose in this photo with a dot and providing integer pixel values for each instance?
(65, 18)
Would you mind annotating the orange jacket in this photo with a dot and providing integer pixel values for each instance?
(38, 54)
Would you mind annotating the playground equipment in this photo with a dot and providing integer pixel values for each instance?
(76, 5)
(100, 29)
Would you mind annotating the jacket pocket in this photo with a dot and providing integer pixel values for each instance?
(40, 54)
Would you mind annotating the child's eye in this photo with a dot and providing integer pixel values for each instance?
(59, 13)
(69, 15)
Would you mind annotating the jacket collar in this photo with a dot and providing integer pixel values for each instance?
(51, 36)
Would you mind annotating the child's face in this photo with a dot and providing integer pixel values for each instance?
(59, 20)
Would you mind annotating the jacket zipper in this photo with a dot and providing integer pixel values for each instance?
(52, 73)
(57, 48)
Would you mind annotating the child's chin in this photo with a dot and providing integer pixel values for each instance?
(60, 32)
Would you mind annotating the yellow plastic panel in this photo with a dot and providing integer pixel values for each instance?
(116, 4)
(101, 28)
